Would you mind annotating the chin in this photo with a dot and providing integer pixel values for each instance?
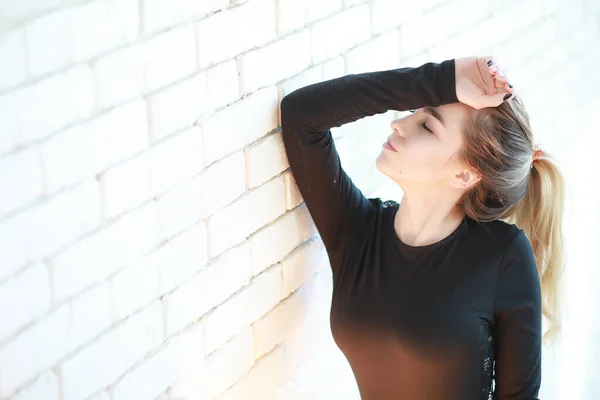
(383, 165)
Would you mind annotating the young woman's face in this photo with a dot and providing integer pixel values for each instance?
(423, 145)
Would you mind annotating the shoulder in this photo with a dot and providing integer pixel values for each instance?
(499, 233)
(383, 207)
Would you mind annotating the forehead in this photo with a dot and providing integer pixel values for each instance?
(454, 116)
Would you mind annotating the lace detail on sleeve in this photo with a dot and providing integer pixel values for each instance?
(488, 391)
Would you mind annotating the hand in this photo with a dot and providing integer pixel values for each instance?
(476, 82)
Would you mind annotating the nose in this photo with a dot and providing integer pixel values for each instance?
(395, 125)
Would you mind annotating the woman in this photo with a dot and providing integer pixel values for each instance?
(442, 295)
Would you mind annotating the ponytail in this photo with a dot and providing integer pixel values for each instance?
(540, 213)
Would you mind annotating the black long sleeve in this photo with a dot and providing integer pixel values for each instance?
(424, 322)
(518, 315)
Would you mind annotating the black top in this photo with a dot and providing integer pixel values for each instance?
(415, 322)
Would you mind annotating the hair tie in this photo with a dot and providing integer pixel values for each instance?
(537, 154)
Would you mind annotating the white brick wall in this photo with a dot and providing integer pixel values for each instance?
(153, 242)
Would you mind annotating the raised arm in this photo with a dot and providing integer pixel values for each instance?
(336, 205)
(518, 314)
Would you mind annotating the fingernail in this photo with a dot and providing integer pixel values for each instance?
(490, 62)
(507, 96)
(510, 86)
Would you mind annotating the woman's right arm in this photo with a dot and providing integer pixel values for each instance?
(337, 207)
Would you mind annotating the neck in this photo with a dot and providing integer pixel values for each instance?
(427, 217)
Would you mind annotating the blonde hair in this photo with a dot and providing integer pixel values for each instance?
(498, 144)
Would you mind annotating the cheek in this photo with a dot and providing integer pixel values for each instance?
(423, 165)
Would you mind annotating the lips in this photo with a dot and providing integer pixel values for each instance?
(391, 145)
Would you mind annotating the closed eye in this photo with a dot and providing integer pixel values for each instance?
(425, 127)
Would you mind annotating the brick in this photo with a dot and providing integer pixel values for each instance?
(181, 257)
(176, 159)
(413, 37)
(9, 134)
(196, 97)
(119, 76)
(180, 208)
(161, 71)
(293, 197)
(223, 85)
(90, 314)
(100, 26)
(245, 307)
(31, 348)
(275, 62)
(334, 68)
(135, 286)
(289, 319)
(448, 18)
(319, 9)
(306, 225)
(104, 395)
(265, 159)
(162, 369)
(304, 316)
(222, 183)
(524, 13)
(47, 41)
(93, 146)
(351, 3)
(126, 186)
(291, 15)
(158, 15)
(191, 98)
(567, 18)
(302, 264)
(79, 33)
(255, 25)
(18, 291)
(414, 60)
(257, 383)
(381, 53)
(45, 387)
(222, 132)
(304, 78)
(535, 38)
(208, 288)
(219, 371)
(390, 14)
(350, 28)
(107, 358)
(58, 101)
(271, 329)
(274, 242)
(88, 261)
(32, 235)
(67, 328)
(21, 181)
(236, 222)
(197, 198)
(20, 11)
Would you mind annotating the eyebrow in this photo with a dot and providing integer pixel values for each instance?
(435, 113)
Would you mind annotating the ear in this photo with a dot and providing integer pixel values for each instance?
(465, 179)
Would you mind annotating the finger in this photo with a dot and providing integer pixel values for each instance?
(501, 76)
(503, 80)
(505, 83)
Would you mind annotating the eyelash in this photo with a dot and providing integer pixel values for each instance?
(423, 124)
